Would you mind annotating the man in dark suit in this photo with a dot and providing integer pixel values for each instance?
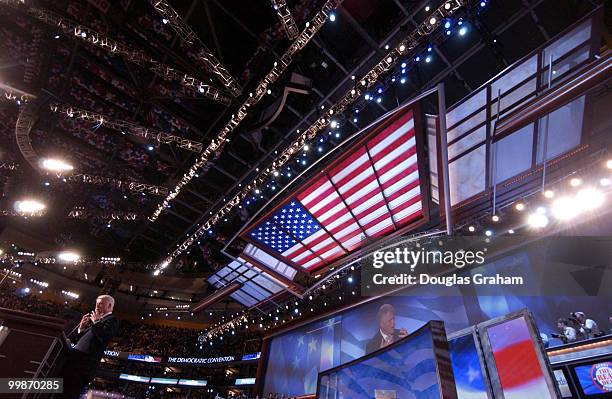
(386, 334)
(95, 331)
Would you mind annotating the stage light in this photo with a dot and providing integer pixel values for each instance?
(537, 220)
(447, 24)
(332, 17)
(575, 182)
(432, 20)
(156, 272)
(56, 36)
(471, 229)
(269, 91)
(56, 165)
(462, 31)
(403, 80)
(47, 184)
(510, 231)
(402, 48)
(589, 199)
(164, 21)
(334, 124)
(519, 206)
(367, 96)
(427, 8)
(29, 206)
(604, 182)
(350, 279)
(609, 164)
(306, 148)
(354, 120)
(483, 3)
(488, 233)
(26, 290)
(379, 100)
(428, 59)
(549, 194)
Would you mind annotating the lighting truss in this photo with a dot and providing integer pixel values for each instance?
(74, 29)
(69, 111)
(10, 212)
(80, 212)
(188, 36)
(216, 145)
(9, 166)
(132, 186)
(401, 49)
(285, 17)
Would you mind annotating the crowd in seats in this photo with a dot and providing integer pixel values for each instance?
(156, 340)
(15, 298)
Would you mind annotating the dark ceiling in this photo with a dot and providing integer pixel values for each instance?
(247, 38)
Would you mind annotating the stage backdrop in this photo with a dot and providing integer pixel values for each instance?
(295, 357)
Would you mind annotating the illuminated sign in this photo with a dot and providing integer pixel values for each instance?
(193, 383)
(201, 360)
(111, 353)
(167, 381)
(136, 378)
(251, 356)
(245, 381)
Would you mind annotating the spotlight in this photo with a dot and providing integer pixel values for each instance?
(483, 3)
(332, 17)
(488, 233)
(156, 272)
(427, 8)
(29, 206)
(564, 208)
(350, 279)
(495, 218)
(402, 48)
(510, 231)
(417, 58)
(575, 182)
(590, 199)
(69, 256)
(56, 165)
(367, 96)
(432, 20)
(537, 220)
(549, 194)
(403, 80)
(428, 59)
(519, 206)
(56, 36)
(164, 21)
(150, 148)
(462, 31)
(306, 148)
(379, 99)
(471, 229)
(609, 164)
(604, 182)
(447, 24)
(334, 124)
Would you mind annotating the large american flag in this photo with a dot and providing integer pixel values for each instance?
(372, 191)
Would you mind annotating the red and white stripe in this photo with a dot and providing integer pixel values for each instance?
(393, 153)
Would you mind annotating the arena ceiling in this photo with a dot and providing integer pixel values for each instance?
(247, 38)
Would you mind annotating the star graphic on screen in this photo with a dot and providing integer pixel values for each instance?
(472, 374)
(296, 363)
(330, 324)
(312, 345)
(300, 340)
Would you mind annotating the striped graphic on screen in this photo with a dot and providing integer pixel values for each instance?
(371, 192)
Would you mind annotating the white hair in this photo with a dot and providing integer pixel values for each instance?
(107, 298)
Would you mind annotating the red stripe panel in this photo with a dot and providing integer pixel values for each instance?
(390, 129)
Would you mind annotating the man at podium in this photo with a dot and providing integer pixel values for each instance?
(94, 332)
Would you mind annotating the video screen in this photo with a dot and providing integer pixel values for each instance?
(516, 360)
(136, 378)
(595, 379)
(167, 381)
(469, 377)
(144, 358)
(407, 369)
(245, 381)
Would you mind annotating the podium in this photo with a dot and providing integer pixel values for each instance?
(31, 346)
